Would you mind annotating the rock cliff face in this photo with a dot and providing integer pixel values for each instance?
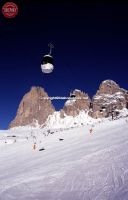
(79, 101)
(109, 99)
(33, 108)
(36, 106)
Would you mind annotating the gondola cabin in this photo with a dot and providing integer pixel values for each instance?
(72, 95)
(47, 62)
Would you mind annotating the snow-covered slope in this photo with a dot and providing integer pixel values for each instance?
(80, 166)
(54, 121)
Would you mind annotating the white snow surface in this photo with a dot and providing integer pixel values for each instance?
(55, 121)
(82, 166)
(70, 102)
(77, 90)
(110, 98)
(109, 82)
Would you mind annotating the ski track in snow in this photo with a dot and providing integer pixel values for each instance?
(83, 166)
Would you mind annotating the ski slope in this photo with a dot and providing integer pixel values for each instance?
(82, 166)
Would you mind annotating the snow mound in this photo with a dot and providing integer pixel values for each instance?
(55, 121)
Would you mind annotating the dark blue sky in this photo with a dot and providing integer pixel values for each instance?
(91, 45)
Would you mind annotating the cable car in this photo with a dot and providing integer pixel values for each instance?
(72, 95)
(47, 61)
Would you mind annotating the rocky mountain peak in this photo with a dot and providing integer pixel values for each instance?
(79, 101)
(35, 106)
(109, 99)
(108, 87)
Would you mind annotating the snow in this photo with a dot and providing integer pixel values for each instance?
(83, 166)
(110, 98)
(54, 121)
(109, 82)
(77, 90)
(70, 102)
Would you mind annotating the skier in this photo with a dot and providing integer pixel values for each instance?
(90, 130)
(112, 115)
(14, 141)
(34, 146)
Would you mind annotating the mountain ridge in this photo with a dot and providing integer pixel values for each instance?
(36, 106)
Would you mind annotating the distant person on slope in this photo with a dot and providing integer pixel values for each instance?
(34, 146)
(90, 130)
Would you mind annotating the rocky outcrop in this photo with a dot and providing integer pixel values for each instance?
(109, 99)
(34, 107)
(79, 101)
